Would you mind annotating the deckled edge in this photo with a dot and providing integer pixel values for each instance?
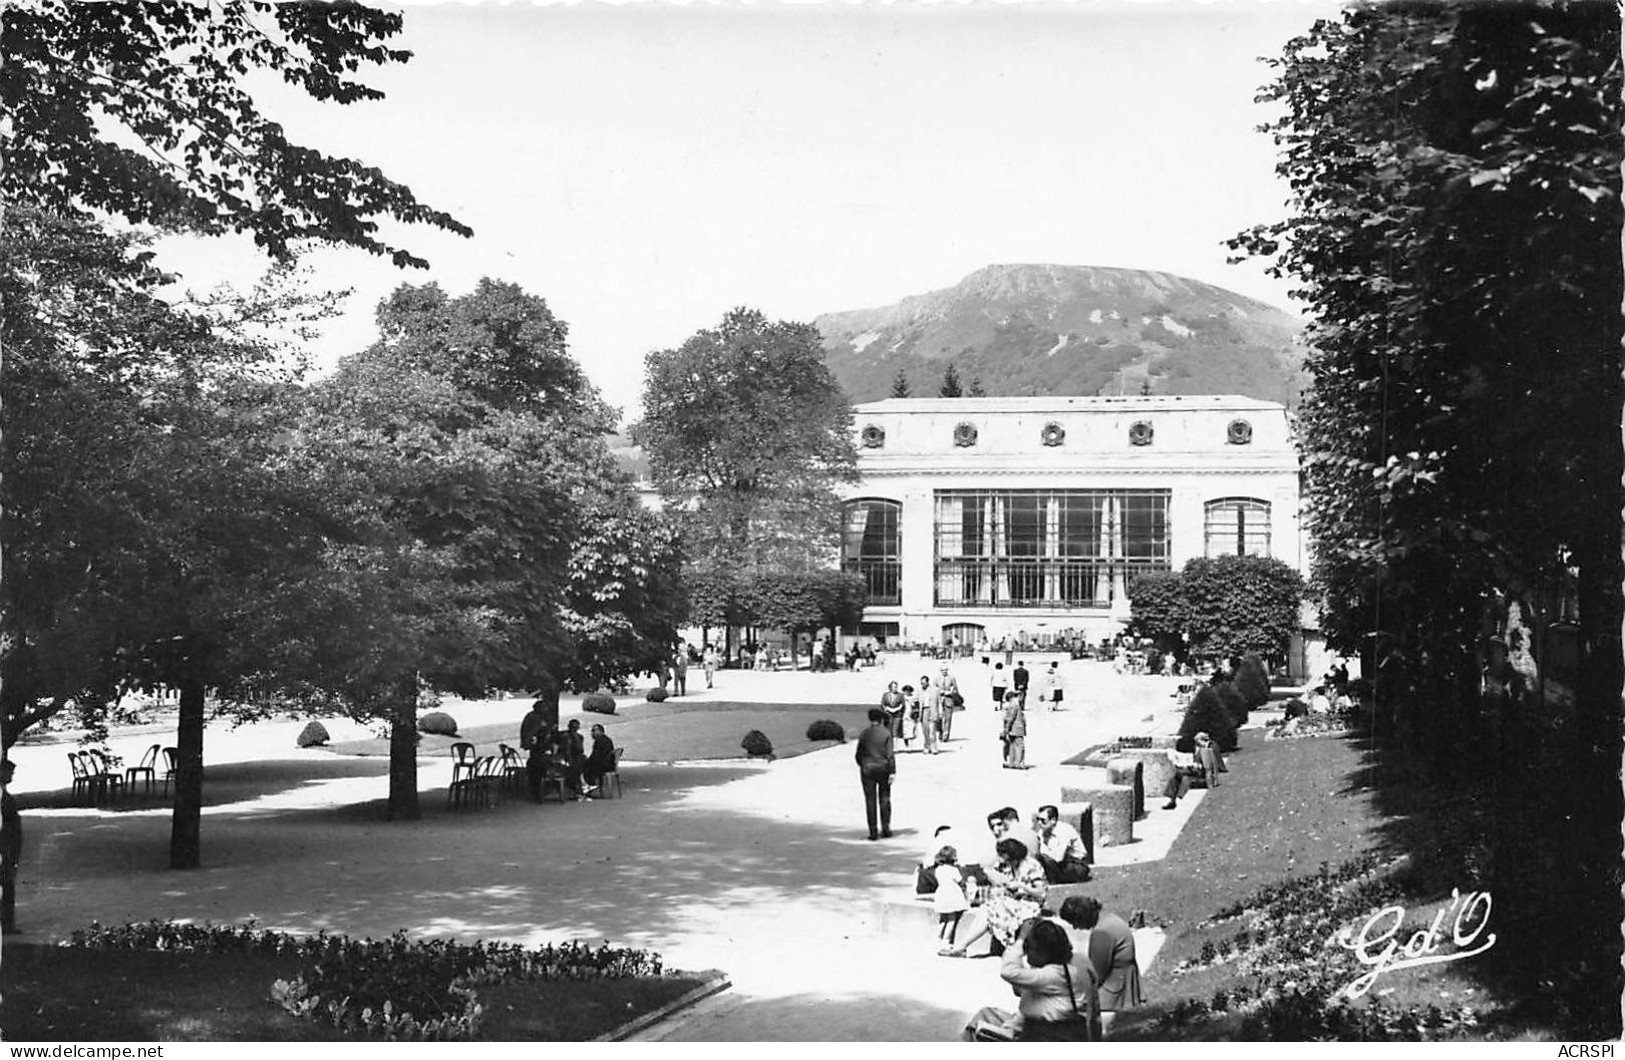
(715, 982)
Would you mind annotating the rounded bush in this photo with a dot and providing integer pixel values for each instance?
(825, 729)
(313, 735)
(756, 743)
(1251, 682)
(597, 703)
(1206, 713)
(657, 695)
(1230, 696)
(1296, 708)
(438, 723)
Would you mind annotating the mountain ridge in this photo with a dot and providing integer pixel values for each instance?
(1074, 329)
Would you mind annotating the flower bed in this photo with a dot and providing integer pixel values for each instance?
(394, 988)
(1335, 723)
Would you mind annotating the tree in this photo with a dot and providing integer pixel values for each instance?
(1206, 712)
(976, 387)
(142, 111)
(748, 437)
(807, 601)
(140, 518)
(1157, 609)
(899, 384)
(1238, 604)
(447, 566)
(950, 387)
(1251, 682)
(1454, 224)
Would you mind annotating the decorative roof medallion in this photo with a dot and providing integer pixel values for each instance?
(1240, 432)
(965, 435)
(1139, 432)
(1052, 434)
(872, 436)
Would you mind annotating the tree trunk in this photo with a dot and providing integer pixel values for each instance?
(403, 753)
(186, 823)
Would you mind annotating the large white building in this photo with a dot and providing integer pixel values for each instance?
(1003, 517)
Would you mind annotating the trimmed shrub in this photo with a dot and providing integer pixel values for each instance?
(313, 735)
(825, 729)
(1206, 713)
(1296, 707)
(597, 703)
(657, 694)
(1230, 696)
(438, 723)
(756, 743)
(1251, 682)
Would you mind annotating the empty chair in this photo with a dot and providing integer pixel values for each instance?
(105, 783)
(464, 763)
(170, 757)
(148, 767)
(81, 777)
(511, 769)
(553, 780)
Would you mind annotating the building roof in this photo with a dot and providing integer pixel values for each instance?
(1063, 403)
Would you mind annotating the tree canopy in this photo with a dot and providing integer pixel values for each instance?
(1455, 227)
(748, 438)
(143, 111)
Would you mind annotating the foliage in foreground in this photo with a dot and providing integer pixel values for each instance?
(395, 988)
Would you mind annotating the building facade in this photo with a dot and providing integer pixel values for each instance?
(1028, 517)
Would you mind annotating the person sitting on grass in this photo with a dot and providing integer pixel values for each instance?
(1111, 955)
(1058, 998)
(600, 762)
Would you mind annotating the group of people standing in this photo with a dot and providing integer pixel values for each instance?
(926, 713)
(563, 753)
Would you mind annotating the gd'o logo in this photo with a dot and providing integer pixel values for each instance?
(1240, 432)
(1139, 433)
(965, 435)
(872, 437)
(1053, 434)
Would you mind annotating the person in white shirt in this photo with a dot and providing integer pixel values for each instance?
(1051, 687)
(1060, 849)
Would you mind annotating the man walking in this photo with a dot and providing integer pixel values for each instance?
(1020, 680)
(877, 763)
(1015, 732)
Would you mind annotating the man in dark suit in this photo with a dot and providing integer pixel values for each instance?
(1020, 680)
(877, 763)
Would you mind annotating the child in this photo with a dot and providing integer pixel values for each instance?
(949, 898)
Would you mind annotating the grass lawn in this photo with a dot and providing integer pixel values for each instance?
(673, 731)
(52, 993)
(1285, 807)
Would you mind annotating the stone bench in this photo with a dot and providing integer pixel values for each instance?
(1112, 807)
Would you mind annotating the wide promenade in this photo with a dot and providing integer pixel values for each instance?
(760, 869)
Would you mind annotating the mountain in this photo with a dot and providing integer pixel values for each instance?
(1070, 329)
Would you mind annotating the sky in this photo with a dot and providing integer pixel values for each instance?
(647, 167)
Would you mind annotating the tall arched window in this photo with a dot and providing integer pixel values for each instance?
(871, 547)
(1238, 526)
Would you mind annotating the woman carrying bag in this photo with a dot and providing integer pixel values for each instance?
(1056, 987)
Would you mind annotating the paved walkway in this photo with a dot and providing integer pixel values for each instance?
(762, 870)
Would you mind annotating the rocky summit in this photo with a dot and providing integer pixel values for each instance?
(1071, 329)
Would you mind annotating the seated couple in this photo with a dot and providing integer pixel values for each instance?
(1055, 844)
